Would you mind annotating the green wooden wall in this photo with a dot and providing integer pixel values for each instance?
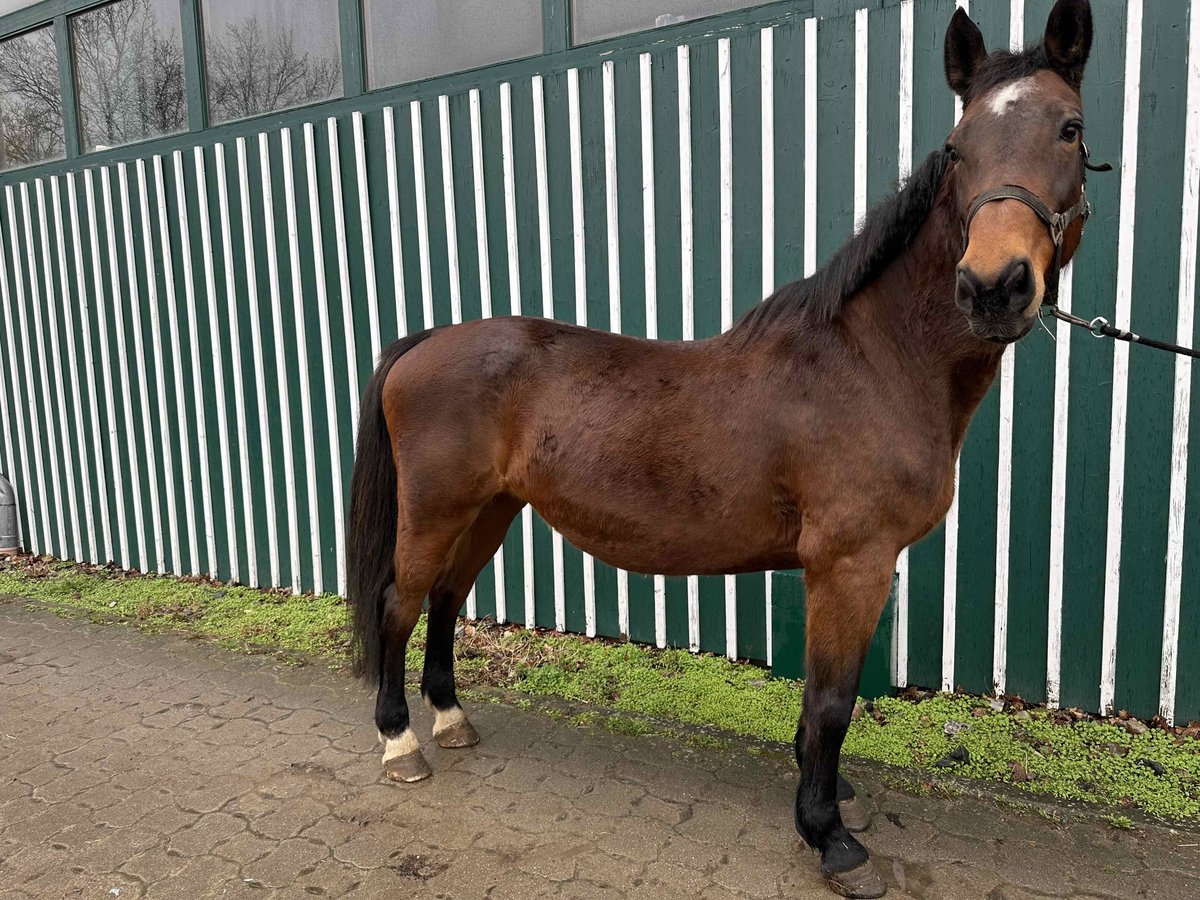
(187, 323)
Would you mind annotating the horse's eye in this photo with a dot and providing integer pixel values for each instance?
(953, 153)
(1070, 133)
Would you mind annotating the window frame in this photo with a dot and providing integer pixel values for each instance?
(557, 39)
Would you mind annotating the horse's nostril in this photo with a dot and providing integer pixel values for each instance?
(1017, 279)
(967, 289)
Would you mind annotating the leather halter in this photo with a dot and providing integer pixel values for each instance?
(1057, 222)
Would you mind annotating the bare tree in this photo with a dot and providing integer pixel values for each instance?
(250, 72)
(30, 101)
(129, 70)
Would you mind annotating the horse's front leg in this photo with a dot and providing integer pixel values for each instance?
(844, 600)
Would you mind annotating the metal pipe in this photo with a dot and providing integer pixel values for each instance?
(9, 542)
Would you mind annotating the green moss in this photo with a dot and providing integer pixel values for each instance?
(1085, 760)
(1122, 823)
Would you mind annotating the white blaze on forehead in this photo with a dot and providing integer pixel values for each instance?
(1005, 98)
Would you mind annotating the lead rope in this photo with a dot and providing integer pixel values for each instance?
(1100, 328)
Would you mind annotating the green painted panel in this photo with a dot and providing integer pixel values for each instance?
(933, 117)
(1091, 377)
(788, 616)
(835, 134)
(248, 446)
(788, 83)
(1152, 375)
(314, 419)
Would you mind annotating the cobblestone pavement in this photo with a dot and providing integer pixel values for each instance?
(158, 766)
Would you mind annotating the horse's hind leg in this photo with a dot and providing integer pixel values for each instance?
(451, 728)
(845, 599)
(419, 558)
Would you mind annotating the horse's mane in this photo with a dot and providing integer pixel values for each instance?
(890, 227)
(887, 231)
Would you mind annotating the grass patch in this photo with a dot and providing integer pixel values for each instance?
(1156, 772)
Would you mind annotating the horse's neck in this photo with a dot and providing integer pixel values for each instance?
(910, 314)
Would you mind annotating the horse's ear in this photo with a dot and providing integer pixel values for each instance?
(1068, 39)
(965, 52)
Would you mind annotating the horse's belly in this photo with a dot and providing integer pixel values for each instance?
(668, 544)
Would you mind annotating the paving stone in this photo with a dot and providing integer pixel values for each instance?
(170, 768)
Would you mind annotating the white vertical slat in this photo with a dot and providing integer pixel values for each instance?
(1058, 492)
(302, 366)
(349, 348)
(120, 550)
(481, 231)
(651, 272)
(861, 81)
(139, 358)
(510, 200)
(648, 207)
(123, 365)
(64, 433)
(950, 567)
(904, 155)
(367, 238)
(725, 116)
(218, 367)
(614, 272)
(343, 257)
(8, 464)
(485, 292)
(23, 400)
(189, 282)
(610, 195)
(514, 298)
(965, 6)
(393, 183)
(537, 91)
(260, 376)
(451, 211)
(422, 211)
(1120, 393)
(179, 387)
(1008, 367)
(810, 146)
(1016, 25)
(239, 390)
(45, 424)
(1184, 331)
(581, 312)
(282, 368)
(767, 94)
(81, 454)
(687, 274)
(165, 426)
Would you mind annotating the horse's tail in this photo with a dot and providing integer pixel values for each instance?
(371, 535)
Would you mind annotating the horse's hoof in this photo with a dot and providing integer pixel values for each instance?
(855, 816)
(457, 736)
(860, 883)
(407, 768)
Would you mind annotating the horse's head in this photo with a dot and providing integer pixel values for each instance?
(1016, 159)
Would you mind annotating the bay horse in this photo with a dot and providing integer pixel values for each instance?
(820, 432)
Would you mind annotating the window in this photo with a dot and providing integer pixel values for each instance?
(595, 20)
(31, 122)
(129, 72)
(263, 55)
(408, 40)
